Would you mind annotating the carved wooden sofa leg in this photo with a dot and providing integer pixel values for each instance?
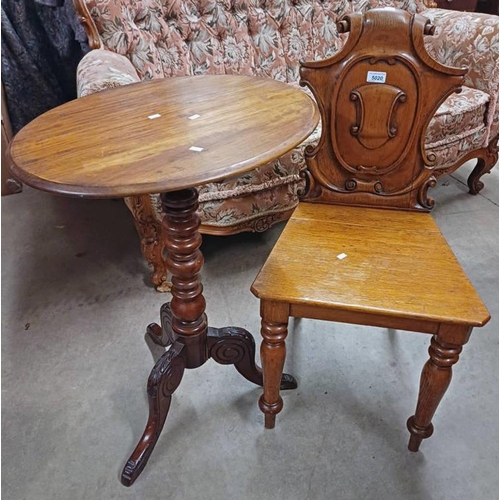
(152, 242)
(484, 165)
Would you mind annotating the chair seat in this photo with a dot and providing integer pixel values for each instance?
(391, 257)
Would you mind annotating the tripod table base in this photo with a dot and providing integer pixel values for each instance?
(227, 346)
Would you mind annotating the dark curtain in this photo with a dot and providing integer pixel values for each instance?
(42, 43)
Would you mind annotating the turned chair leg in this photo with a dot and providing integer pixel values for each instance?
(434, 381)
(152, 241)
(272, 352)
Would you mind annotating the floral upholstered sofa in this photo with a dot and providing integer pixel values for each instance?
(136, 40)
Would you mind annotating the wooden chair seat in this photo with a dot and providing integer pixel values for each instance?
(391, 258)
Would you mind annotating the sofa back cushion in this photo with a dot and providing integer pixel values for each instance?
(252, 37)
(188, 37)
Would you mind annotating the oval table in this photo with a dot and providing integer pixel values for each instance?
(169, 136)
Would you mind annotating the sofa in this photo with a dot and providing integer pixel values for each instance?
(135, 40)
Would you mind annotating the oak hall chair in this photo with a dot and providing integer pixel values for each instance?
(367, 264)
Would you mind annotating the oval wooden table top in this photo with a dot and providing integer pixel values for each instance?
(162, 135)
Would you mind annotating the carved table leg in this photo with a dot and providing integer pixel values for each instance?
(235, 346)
(183, 320)
(163, 381)
(434, 381)
(483, 166)
(184, 325)
(272, 352)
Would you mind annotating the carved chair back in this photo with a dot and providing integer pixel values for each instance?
(377, 97)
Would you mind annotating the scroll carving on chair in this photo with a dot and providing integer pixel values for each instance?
(376, 139)
(377, 97)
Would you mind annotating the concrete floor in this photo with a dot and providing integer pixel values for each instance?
(75, 365)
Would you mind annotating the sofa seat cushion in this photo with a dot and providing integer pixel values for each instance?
(447, 154)
(249, 212)
(461, 114)
(458, 127)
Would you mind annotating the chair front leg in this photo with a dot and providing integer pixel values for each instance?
(434, 381)
(273, 352)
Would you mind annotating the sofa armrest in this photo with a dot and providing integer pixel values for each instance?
(469, 39)
(102, 69)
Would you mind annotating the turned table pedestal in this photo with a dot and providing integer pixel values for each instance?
(169, 136)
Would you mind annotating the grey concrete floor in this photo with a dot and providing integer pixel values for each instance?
(75, 304)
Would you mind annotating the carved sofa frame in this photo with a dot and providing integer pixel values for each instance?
(134, 40)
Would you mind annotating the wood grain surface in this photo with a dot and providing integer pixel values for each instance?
(377, 97)
(104, 145)
(397, 264)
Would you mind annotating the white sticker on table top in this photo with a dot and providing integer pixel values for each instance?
(156, 115)
(376, 76)
(193, 117)
(341, 256)
(195, 148)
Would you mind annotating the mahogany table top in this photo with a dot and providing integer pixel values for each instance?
(162, 135)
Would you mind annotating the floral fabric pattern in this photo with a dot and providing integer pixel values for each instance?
(448, 153)
(146, 39)
(103, 69)
(459, 114)
(469, 39)
(191, 37)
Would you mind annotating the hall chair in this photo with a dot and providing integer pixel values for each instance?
(361, 248)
